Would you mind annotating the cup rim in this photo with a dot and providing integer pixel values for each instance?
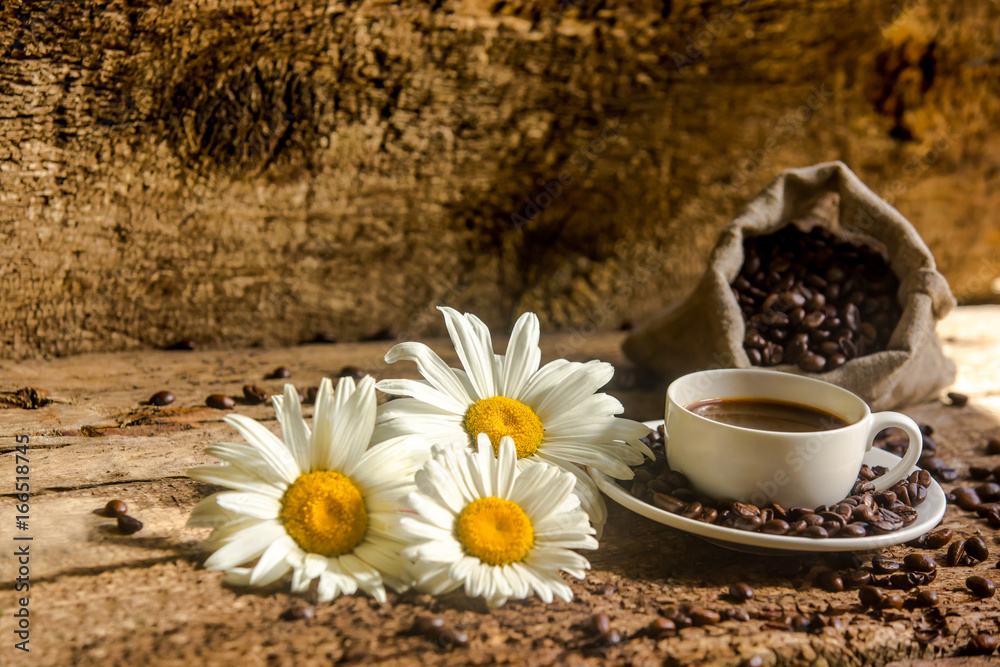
(763, 371)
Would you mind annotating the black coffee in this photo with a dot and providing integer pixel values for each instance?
(766, 415)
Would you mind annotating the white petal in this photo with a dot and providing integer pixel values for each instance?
(250, 504)
(432, 368)
(272, 564)
(506, 468)
(232, 477)
(294, 430)
(426, 393)
(590, 497)
(245, 545)
(322, 425)
(583, 382)
(271, 449)
(475, 353)
(353, 423)
(522, 358)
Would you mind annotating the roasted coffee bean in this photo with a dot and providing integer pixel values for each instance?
(255, 394)
(710, 515)
(128, 525)
(775, 527)
(183, 344)
(279, 373)
(975, 548)
(161, 398)
(660, 627)
(982, 644)
(452, 637)
(324, 337)
(740, 592)
(428, 625)
(298, 612)
(958, 400)
(871, 597)
(855, 579)
(938, 538)
(668, 503)
(993, 446)
(601, 623)
(812, 363)
(903, 580)
(736, 614)
(981, 586)
(988, 492)
(752, 661)
(956, 552)
(815, 532)
(352, 372)
(925, 598)
(220, 402)
(853, 530)
(967, 499)
(884, 565)
(920, 562)
(892, 601)
(700, 616)
(115, 508)
(830, 581)
(979, 472)
(693, 511)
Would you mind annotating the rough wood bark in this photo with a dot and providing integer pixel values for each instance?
(239, 172)
(101, 598)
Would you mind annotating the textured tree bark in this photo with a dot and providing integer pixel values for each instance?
(254, 172)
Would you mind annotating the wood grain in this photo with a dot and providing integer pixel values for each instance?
(239, 172)
(99, 597)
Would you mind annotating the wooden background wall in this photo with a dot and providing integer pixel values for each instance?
(255, 172)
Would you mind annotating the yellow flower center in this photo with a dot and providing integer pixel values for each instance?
(496, 531)
(324, 512)
(499, 416)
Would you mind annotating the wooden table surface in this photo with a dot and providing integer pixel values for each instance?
(99, 597)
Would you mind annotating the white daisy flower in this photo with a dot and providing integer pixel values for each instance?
(499, 529)
(552, 413)
(319, 505)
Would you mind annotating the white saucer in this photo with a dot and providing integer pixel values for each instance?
(929, 514)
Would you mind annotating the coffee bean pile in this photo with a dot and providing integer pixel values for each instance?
(864, 512)
(813, 300)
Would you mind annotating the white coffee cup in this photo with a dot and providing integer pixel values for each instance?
(795, 469)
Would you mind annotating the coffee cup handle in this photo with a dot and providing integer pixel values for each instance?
(884, 420)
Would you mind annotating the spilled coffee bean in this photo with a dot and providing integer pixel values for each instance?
(958, 400)
(255, 394)
(982, 644)
(220, 402)
(661, 627)
(993, 446)
(884, 565)
(183, 344)
(279, 373)
(920, 563)
(981, 586)
(352, 372)
(115, 508)
(128, 525)
(925, 598)
(298, 612)
(161, 398)
(740, 592)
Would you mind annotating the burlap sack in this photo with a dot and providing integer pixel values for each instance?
(706, 329)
